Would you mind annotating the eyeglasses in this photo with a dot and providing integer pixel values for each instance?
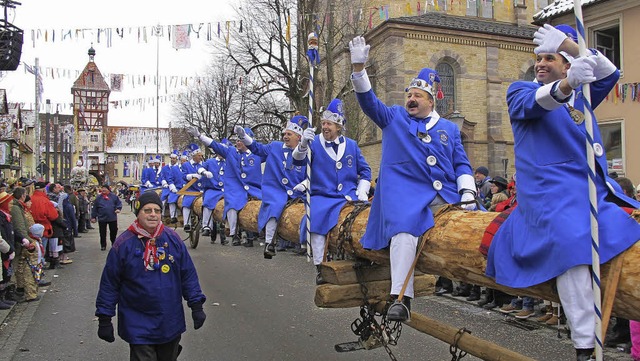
(152, 210)
(331, 116)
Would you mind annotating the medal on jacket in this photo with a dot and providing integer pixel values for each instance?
(150, 257)
(576, 115)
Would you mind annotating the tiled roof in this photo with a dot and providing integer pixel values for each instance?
(444, 21)
(559, 7)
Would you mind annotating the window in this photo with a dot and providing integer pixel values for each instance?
(94, 138)
(612, 141)
(447, 84)
(115, 172)
(606, 38)
(480, 8)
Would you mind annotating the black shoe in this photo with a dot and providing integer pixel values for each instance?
(399, 311)
(248, 243)
(206, 232)
(237, 240)
(616, 339)
(441, 291)
(84, 231)
(473, 297)
(224, 241)
(103, 248)
(319, 279)
(460, 293)
(490, 306)
(269, 251)
(187, 227)
(4, 306)
(77, 236)
(483, 301)
(584, 354)
(173, 220)
(91, 227)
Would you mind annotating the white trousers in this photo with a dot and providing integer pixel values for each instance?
(232, 218)
(207, 217)
(317, 247)
(173, 210)
(402, 254)
(270, 230)
(186, 216)
(576, 297)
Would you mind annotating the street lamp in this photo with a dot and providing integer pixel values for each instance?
(55, 146)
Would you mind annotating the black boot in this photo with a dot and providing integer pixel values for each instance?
(488, 298)
(269, 251)
(206, 231)
(399, 311)
(474, 294)
(584, 354)
(4, 305)
(237, 240)
(248, 243)
(319, 279)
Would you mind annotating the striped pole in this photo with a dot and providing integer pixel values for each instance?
(593, 200)
(307, 206)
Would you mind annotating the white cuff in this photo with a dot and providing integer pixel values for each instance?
(298, 153)
(360, 81)
(604, 67)
(247, 140)
(164, 182)
(363, 186)
(206, 140)
(545, 99)
(466, 182)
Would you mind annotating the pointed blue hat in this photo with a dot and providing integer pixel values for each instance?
(297, 124)
(334, 112)
(425, 80)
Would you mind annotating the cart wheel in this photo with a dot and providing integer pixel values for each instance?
(194, 233)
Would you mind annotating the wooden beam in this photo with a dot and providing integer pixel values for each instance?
(344, 273)
(346, 296)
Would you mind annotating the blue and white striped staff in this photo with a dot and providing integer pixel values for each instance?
(593, 200)
(314, 60)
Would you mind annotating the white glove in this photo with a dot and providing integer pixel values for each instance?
(189, 176)
(207, 174)
(239, 130)
(362, 196)
(148, 184)
(468, 197)
(362, 191)
(300, 187)
(581, 71)
(201, 170)
(548, 39)
(196, 176)
(359, 50)
(173, 188)
(11, 255)
(164, 184)
(308, 135)
(25, 242)
(193, 131)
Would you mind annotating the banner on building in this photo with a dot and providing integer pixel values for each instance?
(181, 37)
(116, 82)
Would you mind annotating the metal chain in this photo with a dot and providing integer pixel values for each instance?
(344, 232)
(457, 354)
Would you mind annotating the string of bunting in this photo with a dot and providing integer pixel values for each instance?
(181, 34)
(623, 92)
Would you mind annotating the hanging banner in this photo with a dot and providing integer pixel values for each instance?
(116, 82)
(181, 38)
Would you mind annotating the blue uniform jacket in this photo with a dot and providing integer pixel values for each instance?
(177, 179)
(149, 302)
(243, 176)
(104, 210)
(421, 159)
(213, 188)
(279, 178)
(191, 168)
(165, 176)
(549, 232)
(334, 180)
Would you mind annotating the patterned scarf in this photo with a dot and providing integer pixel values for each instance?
(151, 255)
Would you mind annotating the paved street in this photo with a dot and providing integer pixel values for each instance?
(256, 310)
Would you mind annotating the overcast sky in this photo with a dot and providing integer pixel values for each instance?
(124, 56)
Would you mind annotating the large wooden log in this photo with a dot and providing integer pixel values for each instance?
(346, 296)
(452, 251)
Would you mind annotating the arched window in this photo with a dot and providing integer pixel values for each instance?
(529, 75)
(448, 85)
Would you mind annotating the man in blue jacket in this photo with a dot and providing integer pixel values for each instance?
(106, 208)
(147, 274)
(548, 235)
(279, 178)
(339, 173)
(423, 166)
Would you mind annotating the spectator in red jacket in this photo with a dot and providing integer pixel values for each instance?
(43, 211)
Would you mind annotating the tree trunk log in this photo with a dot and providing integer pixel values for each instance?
(346, 296)
(452, 251)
